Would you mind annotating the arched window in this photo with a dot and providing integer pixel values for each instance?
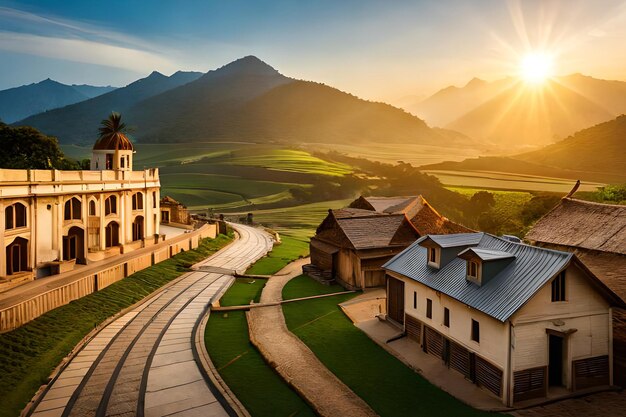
(138, 201)
(138, 228)
(17, 256)
(15, 216)
(73, 209)
(110, 205)
(112, 234)
(92, 208)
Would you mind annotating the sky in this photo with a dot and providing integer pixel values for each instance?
(376, 49)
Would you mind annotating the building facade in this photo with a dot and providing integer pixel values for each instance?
(52, 220)
(519, 321)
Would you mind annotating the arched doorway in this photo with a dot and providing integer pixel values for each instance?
(138, 233)
(17, 256)
(74, 245)
(112, 234)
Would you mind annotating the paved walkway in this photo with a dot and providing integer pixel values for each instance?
(293, 360)
(142, 364)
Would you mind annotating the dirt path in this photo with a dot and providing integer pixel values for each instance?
(293, 360)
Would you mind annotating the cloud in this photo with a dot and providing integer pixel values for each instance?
(52, 37)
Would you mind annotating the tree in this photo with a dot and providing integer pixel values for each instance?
(112, 126)
(27, 148)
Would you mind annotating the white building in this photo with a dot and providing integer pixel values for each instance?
(52, 220)
(520, 321)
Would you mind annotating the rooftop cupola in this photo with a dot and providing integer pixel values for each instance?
(485, 264)
(441, 249)
(113, 150)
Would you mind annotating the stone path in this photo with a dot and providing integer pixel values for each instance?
(605, 404)
(293, 360)
(143, 363)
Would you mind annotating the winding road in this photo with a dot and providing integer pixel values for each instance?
(144, 363)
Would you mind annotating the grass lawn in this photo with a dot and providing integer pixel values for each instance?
(385, 383)
(290, 249)
(261, 390)
(31, 352)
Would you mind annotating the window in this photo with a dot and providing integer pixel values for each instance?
(122, 162)
(429, 308)
(558, 288)
(110, 205)
(72, 209)
(112, 234)
(138, 201)
(15, 216)
(109, 161)
(414, 299)
(138, 228)
(92, 208)
(154, 199)
(446, 317)
(475, 331)
(472, 269)
(432, 255)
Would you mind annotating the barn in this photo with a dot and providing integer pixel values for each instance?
(520, 321)
(596, 233)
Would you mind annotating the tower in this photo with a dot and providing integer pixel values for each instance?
(112, 152)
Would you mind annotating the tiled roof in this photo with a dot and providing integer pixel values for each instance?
(372, 231)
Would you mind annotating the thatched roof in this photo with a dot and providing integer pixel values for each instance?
(114, 142)
(169, 200)
(583, 224)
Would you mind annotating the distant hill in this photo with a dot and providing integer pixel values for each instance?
(512, 115)
(245, 100)
(78, 123)
(20, 102)
(593, 154)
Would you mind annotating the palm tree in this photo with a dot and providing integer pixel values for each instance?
(113, 133)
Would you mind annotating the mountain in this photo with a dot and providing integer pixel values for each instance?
(513, 115)
(20, 102)
(592, 154)
(249, 100)
(78, 123)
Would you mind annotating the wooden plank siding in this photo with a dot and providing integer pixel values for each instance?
(395, 300)
(413, 328)
(459, 359)
(590, 372)
(530, 383)
(433, 342)
(488, 376)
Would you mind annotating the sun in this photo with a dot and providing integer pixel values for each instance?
(536, 67)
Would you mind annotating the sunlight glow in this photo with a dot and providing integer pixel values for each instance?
(536, 67)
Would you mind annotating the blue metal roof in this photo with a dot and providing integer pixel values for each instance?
(488, 254)
(454, 240)
(502, 295)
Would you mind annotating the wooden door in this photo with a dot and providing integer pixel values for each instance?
(395, 300)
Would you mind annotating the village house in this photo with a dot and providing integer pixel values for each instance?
(52, 220)
(353, 243)
(419, 212)
(520, 321)
(174, 213)
(596, 233)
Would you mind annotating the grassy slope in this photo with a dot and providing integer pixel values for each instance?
(288, 250)
(385, 383)
(242, 367)
(31, 352)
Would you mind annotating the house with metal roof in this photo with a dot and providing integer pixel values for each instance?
(520, 321)
(351, 245)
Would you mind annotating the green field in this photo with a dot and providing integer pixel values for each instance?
(288, 250)
(31, 352)
(385, 383)
(252, 380)
(504, 181)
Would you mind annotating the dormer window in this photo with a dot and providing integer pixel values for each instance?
(433, 257)
(472, 269)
